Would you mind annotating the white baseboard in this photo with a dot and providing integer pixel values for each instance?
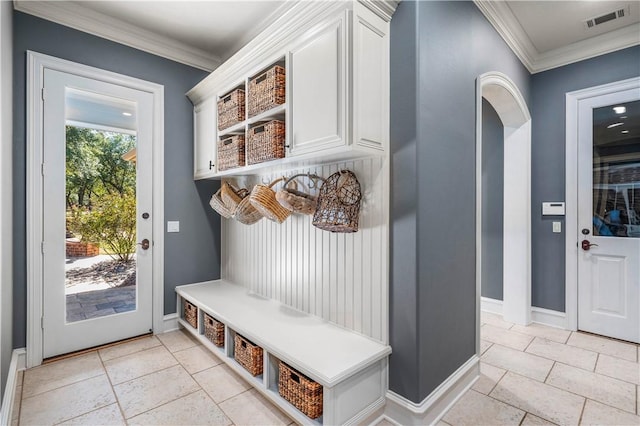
(538, 315)
(400, 410)
(548, 317)
(491, 305)
(18, 362)
(170, 323)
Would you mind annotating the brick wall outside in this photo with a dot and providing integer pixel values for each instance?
(80, 249)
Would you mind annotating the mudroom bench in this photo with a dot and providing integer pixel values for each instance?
(350, 368)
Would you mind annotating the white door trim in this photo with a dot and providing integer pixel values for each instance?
(571, 189)
(506, 99)
(36, 63)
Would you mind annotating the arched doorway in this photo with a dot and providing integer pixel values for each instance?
(508, 102)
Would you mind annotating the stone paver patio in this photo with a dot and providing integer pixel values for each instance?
(99, 303)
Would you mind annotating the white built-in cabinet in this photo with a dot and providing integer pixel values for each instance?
(336, 57)
(204, 148)
(336, 113)
(317, 70)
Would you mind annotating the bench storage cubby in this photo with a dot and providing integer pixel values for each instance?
(341, 374)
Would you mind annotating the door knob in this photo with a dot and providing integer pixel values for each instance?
(144, 244)
(586, 245)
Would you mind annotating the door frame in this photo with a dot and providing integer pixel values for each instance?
(36, 64)
(571, 188)
(505, 97)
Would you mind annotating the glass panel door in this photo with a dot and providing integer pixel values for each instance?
(100, 201)
(616, 170)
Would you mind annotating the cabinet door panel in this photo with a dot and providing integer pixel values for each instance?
(204, 128)
(317, 88)
(371, 82)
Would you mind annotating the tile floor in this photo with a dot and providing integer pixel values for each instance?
(533, 375)
(127, 384)
(539, 375)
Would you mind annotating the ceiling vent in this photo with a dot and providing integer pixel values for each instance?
(610, 16)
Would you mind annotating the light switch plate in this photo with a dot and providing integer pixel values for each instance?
(173, 226)
(557, 227)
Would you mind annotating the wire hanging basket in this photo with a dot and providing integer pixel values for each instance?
(339, 202)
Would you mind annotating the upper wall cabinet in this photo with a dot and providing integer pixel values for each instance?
(317, 90)
(204, 149)
(335, 57)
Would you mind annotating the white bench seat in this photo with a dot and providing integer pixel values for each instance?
(325, 352)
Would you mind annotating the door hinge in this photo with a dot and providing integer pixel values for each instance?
(42, 169)
(43, 94)
(42, 246)
(42, 322)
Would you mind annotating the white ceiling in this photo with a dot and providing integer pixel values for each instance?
(543, 34)
(217, 27)
(552, 25)
(549, 34)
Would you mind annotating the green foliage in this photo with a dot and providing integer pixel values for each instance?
(95, 165)
(111, 222)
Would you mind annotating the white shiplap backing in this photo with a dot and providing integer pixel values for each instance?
(342, 278)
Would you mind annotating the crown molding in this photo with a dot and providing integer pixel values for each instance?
(605, 43)
(506, 24)
(79, 17)
(265, 23)
(383, 8)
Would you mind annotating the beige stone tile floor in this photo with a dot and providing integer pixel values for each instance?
(160, 380)
(538, 375)
(533, 375)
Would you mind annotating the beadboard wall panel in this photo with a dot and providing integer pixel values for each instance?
(342, 278)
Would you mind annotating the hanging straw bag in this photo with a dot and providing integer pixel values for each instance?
(263, 198)
(339, 203)
(219, 206)
(246, 213)
(231, 196)
(298, 201)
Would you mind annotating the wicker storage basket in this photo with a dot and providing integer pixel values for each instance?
(266, 90)
(191, 313)
(265, 142)
(301, 391)
(214, 330)
(339, 203)
(298, 201)
(219, 206)
(231, 152)
(263, 198)
(246, 213)
(248, 355)
(231, 109)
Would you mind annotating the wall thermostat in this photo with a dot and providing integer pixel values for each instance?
(553, 208)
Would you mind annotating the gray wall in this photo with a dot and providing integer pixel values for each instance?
(6, 193)
(191, 255)
(548, 160)
(492, 202)
(438, 51)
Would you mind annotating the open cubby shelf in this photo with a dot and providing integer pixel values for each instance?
(340, 360)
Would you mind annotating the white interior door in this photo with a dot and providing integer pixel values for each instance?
(609, 215)
(113, 311)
